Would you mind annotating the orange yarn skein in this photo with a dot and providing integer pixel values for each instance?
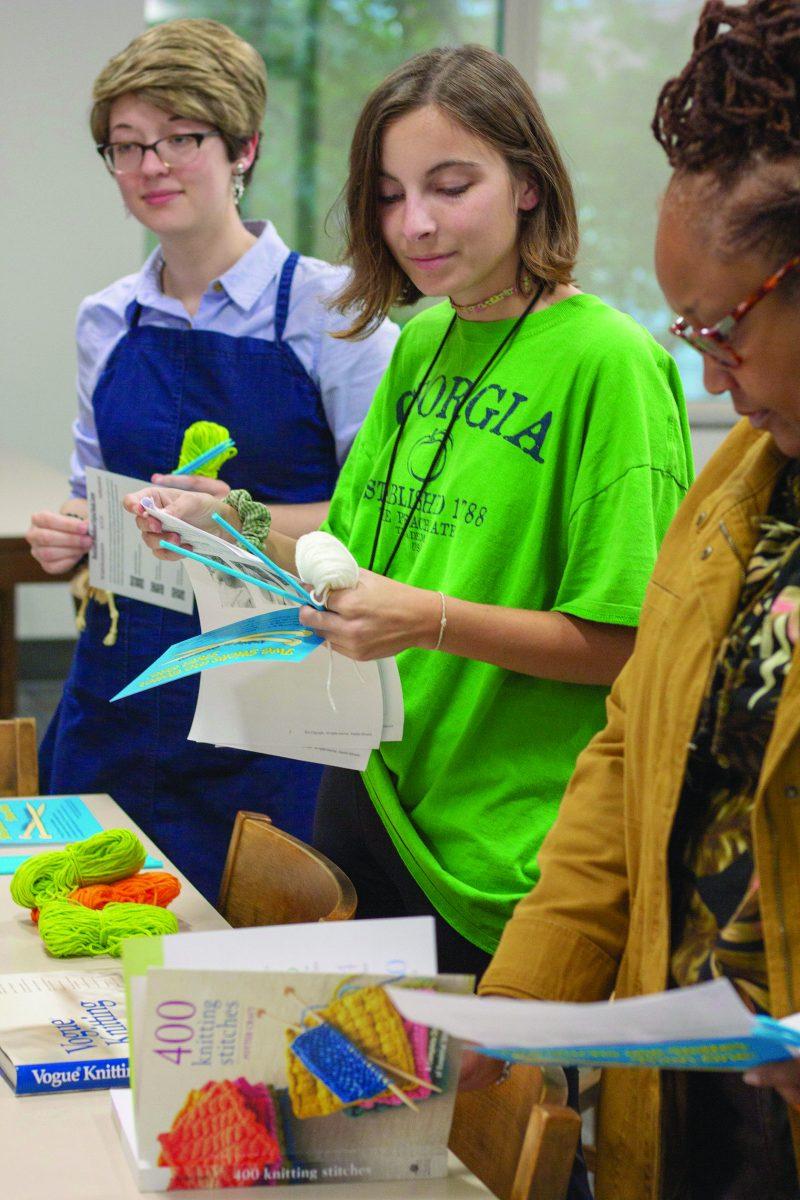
(146, 887)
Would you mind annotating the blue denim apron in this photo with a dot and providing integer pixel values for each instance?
(184, 794)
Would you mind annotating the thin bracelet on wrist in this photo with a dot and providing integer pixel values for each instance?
(442, 622)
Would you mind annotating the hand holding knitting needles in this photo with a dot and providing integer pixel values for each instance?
(193, 483)
(377, 619)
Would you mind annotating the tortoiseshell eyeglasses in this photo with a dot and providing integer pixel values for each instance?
(714, 340)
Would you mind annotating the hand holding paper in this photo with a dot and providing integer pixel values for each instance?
(58, 541)
(783, 1076)
(319, 707)
(194, 508)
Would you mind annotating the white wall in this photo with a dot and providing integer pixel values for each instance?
(63, 230)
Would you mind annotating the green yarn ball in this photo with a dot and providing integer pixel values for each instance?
(200, 437)
(102, 858)
(71, 930)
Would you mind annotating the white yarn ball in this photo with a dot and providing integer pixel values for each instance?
(325, 562)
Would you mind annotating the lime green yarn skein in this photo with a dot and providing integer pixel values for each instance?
(101, 858)
(71, 930)
(202, 436)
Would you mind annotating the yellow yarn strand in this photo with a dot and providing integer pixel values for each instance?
(202, 436)
(102, 858)
(71, 930)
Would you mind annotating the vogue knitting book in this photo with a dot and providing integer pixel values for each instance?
(63, 1031)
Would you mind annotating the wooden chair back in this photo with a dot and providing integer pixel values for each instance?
(272, 878)
(19, 766)
(518, 1137)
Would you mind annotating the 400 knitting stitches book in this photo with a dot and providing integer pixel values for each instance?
(63, 1031)
(258, 1077)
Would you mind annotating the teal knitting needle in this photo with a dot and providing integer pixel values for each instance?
(205, 457)
(251, 546)
(217, 566)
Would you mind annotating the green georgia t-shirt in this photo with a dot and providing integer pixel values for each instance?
(555, 488)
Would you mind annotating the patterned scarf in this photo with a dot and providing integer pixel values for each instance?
(716, 895)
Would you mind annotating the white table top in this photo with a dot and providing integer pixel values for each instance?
(27, 485)
(66, 1147)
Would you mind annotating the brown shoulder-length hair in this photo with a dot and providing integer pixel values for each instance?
(487, 95)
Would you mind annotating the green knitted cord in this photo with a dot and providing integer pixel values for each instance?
(255, 517)
(102, 858)
(202, 436)
(70, 930)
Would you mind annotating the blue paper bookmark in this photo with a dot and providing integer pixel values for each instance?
(10, 862)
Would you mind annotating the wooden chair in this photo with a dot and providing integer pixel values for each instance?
(518, 1137)
(19, 767)
(272, 878)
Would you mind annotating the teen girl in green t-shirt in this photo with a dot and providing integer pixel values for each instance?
(505, 498)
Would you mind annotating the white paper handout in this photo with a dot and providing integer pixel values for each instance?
(325, 708)
(119, 561)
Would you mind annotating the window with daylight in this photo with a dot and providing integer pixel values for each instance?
(596, 66)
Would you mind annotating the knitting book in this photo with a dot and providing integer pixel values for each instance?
(63, 1031)
(260, 1077)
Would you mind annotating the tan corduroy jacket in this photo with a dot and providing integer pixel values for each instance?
(598, 921)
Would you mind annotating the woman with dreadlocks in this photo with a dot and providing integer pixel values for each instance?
(675, 857)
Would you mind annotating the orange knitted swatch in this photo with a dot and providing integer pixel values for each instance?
(217, 1141)
(146, 887)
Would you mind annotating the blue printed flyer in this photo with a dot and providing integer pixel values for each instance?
(45, 821)
(702, 1028)
(267, 637)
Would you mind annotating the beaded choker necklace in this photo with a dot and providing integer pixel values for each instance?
(479, 305)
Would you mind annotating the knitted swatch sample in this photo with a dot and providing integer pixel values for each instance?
(338, 1064)
(368, 1020)
(219, 1139)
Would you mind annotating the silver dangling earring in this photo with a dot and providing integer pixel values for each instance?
(238, 183)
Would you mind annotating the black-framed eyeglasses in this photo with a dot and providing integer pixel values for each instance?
(714, 340)
(176, 150)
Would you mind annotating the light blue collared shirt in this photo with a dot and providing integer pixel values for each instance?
(241, 303)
